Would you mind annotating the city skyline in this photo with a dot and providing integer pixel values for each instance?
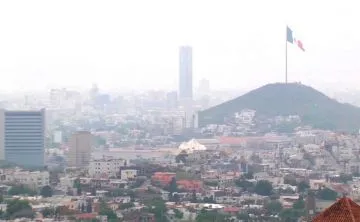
(237, 49)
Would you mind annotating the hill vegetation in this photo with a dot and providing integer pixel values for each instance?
(279, 99)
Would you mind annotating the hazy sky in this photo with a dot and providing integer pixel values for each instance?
(134, 44)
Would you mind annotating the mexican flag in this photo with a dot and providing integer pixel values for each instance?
(291, 38)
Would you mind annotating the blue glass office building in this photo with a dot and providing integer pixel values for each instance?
(23, 137)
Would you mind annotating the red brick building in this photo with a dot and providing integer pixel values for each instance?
(163, 177)
(190, 185)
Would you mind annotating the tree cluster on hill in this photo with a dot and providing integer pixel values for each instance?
(107, 211)
(16, 209)
(158, 208)
(313, 107)
(294, 213)
(46, 191)
(264, 188)
(210, 215)
(327, 194)
(21, 190)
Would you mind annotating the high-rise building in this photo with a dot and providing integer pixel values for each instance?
(80, 149)
(185, 84)
(185, 73)
(22, 137)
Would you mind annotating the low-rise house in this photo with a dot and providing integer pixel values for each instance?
(190, 185)
(128, 174)
(163, 178)
(122, 200)
(317, 184)
(32, 179)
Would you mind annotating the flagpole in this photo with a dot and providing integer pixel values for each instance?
(286, 77)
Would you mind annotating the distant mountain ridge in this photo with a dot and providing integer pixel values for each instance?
(280, 99)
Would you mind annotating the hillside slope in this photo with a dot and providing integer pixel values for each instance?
(314, 108)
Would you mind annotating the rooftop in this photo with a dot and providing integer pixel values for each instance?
(344, 210)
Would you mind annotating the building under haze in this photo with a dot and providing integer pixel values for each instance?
(185, 84)
(80, 145)
(185, 73)
(171, 100)
(204, 87)
(22, 137)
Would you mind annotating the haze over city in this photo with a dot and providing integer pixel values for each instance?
(179, 111)
(127, 45)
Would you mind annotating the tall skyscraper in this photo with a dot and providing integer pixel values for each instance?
(22, 137)
(80, 149)
(185, 73)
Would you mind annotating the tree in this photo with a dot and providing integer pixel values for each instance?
(299, 204)
(15, 206)
(178, 214)
(173, 186)
(291, 180)
(88, 206)
(158, 208)
(243, 217)
(211, 183)
(273, 207)
(209, 199)
(27, 213)
(79, 191)
(244, 184)
(107, 211)
(303, 186)
(138, 183)
(263, 187)
(255, 158)
(289, 215)
(48, 212)
(175, 198)
(82, 208)
(193, 197)
(327, 194)
(213, 216)
(181, 157)
(249, 175)
(344, 178)
(20, 190)
(46, 191)
(126, 205)
(131, 194)
(77, 183)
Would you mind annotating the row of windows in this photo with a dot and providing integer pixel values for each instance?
(23, 114)
(22, 135)
(116, 163)
(24, 141)
(24, 148)
(98, 168)
(23, 126)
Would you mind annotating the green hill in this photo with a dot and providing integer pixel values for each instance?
(314, 108)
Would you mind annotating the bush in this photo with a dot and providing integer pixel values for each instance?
(21, 190)
(263, 187)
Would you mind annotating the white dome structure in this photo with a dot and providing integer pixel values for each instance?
(191, 146)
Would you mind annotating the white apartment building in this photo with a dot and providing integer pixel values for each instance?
(34, 180)
(107, 166)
